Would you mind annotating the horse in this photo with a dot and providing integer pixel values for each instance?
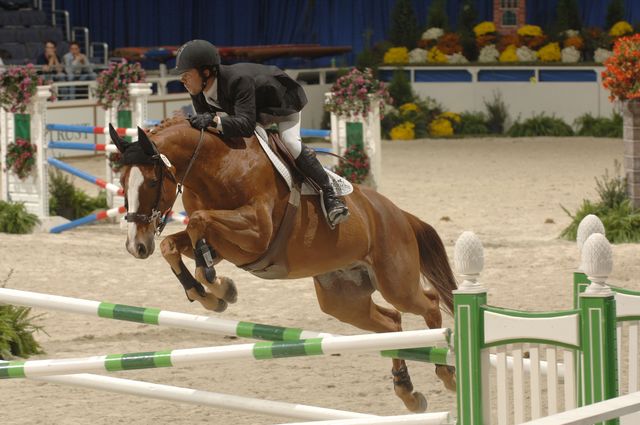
(236, 202)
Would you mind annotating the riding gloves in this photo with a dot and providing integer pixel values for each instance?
(202, 121)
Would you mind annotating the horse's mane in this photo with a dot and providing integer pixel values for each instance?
(168, 122)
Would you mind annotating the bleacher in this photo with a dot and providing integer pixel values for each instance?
(24, 31)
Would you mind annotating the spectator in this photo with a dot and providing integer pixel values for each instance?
(77, 66)
(52, 68)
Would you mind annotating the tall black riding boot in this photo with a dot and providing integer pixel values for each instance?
(335, 208)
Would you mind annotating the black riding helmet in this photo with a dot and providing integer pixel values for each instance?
(199, 54)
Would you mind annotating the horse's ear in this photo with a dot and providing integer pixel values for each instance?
(147, 145)
(121, 144)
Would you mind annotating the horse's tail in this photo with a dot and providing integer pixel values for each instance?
(434, 263)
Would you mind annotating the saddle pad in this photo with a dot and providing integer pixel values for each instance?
(341, 185)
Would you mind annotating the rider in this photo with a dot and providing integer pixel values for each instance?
(251, 93)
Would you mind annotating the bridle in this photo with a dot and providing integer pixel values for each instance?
(160, 165)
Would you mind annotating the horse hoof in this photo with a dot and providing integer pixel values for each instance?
(210, 274)
(231, 294)
(421, 402)
(447, 375)
(222, 306)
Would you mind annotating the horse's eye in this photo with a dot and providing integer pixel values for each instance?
(153, 183)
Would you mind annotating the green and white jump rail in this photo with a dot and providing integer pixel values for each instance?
(198, 323)
(257, 351)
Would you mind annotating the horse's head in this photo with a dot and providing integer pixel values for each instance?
(149, 184)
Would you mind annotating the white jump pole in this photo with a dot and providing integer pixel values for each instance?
(201, 398)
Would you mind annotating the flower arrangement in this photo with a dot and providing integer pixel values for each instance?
(418, 55)
(601, 55)
(407, 107)
(550, 53)
(570, 55)
(508, 40)
(351, 94)
(404, 131)
(530, 31)
(622, 69)
(457, 58)
(21, 157)
(396, 55)
(18, 86)
(484, 28)
(355, 165)
(574, 41)
(449, 43)
(488, 54)
(432, 33)
(442, 125)
(620, 29)
(112, 83)
(435, 55)
(509, 54)
(525, 54)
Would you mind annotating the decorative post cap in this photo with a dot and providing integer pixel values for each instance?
(43, 91)
(468, 260)
(588, 226)
(597, 263)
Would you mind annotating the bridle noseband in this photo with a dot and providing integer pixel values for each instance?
(160, 164)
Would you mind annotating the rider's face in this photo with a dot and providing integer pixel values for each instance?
(192, 81)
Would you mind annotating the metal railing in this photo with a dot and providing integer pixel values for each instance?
(81, 35)
(60, 19)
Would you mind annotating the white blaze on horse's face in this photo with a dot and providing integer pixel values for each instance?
(140, 246)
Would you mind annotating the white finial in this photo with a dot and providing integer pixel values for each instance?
(597, 263)
(469, 259)
(588, 226)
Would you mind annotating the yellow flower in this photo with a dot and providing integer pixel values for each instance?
(396, 55)
(530, 30)
(440, 127)
(620, 28)
(483, 28)
(550, 53)
(403, 131)
(408, 107)
(509, 54)
(451, 116)
(436, 55)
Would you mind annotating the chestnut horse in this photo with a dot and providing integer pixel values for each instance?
(236, 200)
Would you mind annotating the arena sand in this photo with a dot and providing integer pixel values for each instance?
(505, 190)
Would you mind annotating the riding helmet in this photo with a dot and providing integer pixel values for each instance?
(197, 54)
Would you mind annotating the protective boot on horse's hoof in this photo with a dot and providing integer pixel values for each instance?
(204, 258)
(335, 209)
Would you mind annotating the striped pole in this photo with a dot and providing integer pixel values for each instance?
(215, 325)
(308, 132)
(101, 215)
(201, 398)
(256, 351)
(93, 147)
(87, 129)
(86, 176)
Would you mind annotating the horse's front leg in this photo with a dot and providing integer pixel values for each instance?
(172, 248)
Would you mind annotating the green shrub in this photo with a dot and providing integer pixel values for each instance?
(496, 114)
(14, 218)
(400, 88)
(427, 110)
(589, 125)
(70, 202)
(541, 125)
(615, 13)
(472, 123)
(16, 333)
(437, 15)
(621, 221)
(403, 31)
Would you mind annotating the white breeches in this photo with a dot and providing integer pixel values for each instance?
(289, 128)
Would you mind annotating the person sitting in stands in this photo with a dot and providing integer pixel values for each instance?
(77, 66)
(51, 66)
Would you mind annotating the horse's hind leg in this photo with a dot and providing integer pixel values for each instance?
(172, 248)
(400, 286)
(347, 297)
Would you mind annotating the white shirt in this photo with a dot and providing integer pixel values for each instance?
(211, 95)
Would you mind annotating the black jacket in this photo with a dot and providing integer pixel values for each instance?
(247, 89)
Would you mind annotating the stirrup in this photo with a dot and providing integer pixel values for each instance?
(337, 219)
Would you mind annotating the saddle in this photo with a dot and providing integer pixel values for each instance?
(272, 264)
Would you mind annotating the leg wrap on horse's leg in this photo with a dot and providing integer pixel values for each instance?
(189, 282)
(401, 378)
(204, 258)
